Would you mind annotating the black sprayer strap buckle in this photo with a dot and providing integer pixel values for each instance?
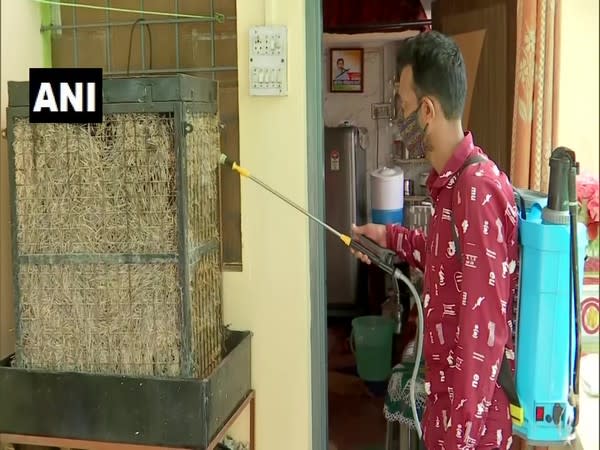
(506, 379)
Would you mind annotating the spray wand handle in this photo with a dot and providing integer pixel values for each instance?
(380, 256)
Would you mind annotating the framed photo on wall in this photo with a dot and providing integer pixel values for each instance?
(346, 70)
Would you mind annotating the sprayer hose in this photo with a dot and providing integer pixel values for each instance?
(413, 381)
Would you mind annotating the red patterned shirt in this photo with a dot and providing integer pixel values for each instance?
(467, 301)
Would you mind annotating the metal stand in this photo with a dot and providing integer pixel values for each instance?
(48, 441)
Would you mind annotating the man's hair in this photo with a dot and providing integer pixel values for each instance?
(438, 70)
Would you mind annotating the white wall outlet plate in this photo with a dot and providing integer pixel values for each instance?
(268, 60)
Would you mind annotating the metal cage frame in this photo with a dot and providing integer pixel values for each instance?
(180, 95)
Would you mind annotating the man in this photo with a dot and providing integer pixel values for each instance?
(469, 272)
(342, 74)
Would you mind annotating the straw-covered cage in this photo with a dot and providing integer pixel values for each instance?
(117, 244)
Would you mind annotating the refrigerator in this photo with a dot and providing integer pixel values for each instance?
(345, 204)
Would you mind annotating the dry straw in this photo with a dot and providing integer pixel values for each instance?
(111, 189)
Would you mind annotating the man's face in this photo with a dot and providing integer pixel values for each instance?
(408, 98)
(340, 64)
(409, 102)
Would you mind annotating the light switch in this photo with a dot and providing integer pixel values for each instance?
(268, 60)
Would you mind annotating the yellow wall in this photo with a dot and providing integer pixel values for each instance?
(578, 115)
(21, 49)
(271, 296)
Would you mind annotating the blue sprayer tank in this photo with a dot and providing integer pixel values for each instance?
(387, 195)
(546, 348)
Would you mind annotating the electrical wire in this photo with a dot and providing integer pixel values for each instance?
(131, 42)
(217, 17)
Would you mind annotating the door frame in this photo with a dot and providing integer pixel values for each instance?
(316, 206)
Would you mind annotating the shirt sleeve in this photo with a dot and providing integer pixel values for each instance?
(408, 244)
(479, 215)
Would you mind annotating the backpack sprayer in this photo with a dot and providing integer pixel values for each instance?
(380, 256)
(548, 337)
(543, 395)
(544, 409)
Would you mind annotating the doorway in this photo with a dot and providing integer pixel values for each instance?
(485, 31)
(347, 412)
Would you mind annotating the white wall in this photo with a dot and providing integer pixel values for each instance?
(379, 70)
(356, 108)
(578, 115)
(21, 49)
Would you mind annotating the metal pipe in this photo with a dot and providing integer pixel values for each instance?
(184, 70)
(74, 4)
(75, 40)
(142, 36)
(213, 47)
(294, 205)
(177, 36)
(108, 38)
(225, 161)
(128, 23)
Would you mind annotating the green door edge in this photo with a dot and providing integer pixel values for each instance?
(316, 206)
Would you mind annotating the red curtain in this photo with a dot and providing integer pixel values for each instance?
(361, 16)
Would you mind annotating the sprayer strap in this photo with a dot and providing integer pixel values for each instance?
(506, 380)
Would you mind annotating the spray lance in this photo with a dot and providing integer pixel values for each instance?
(380, 256)
(562, 207)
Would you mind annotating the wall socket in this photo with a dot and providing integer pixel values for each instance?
(381, 111)
(268, 60)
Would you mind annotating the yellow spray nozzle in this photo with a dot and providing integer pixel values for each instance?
(239, 169)
(224, 160)
(346, 239)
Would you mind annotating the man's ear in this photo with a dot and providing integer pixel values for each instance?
(429, 110)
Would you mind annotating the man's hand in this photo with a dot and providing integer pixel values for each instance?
(375, 232)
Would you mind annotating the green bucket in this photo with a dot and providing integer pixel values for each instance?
(372, 346)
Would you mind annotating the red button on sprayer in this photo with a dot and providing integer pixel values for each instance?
(539, 413)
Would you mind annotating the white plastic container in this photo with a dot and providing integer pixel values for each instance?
(387, 195)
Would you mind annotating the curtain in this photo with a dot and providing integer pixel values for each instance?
(535, 103)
